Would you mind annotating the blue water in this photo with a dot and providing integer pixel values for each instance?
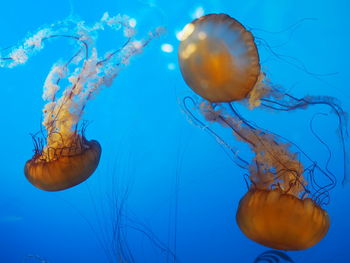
(179, 188)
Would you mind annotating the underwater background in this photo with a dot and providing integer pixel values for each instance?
(165, 190)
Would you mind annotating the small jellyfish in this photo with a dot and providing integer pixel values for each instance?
(63, 157)
(283, 206)
(273, 256)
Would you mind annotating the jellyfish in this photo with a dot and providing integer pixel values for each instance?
(63, 157)
(273, 256)
(287, 188)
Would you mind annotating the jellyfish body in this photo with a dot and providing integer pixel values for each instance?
(66, 169)
(281, 221)
(218, 58)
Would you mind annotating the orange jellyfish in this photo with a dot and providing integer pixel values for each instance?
(283, 206)
(63, 157)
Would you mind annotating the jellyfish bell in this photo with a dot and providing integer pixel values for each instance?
(281, 221)
(218, 58)
(62, 168)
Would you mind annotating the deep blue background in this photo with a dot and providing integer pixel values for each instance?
(147, 140)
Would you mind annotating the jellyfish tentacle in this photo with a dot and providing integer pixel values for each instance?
(331, 177)
(319, 190)
(302, 103)
(236, 158)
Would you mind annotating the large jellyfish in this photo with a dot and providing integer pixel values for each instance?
(282, 209)
(63, 157)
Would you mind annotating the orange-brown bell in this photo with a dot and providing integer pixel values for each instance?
(66, 171)
(281, 221)
(218, 58)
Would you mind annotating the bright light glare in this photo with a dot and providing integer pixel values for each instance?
(198, 12)
(167, 48)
